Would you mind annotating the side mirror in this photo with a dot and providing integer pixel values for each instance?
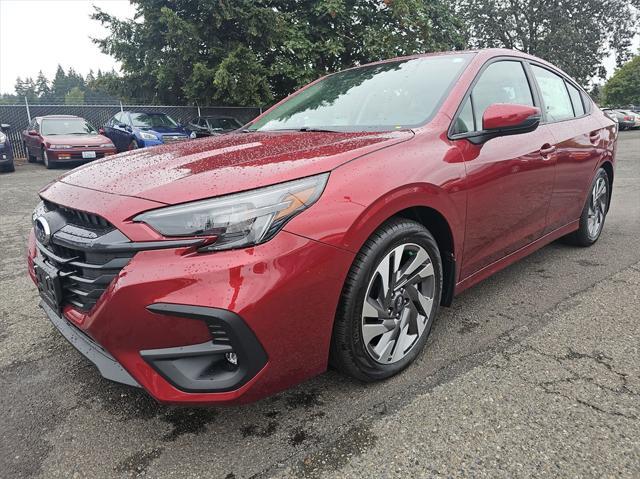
(32, 133)
(503, 119)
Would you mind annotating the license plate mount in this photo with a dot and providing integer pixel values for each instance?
(49, 284)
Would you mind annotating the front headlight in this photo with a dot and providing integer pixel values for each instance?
(60, 147)
(240, 219)
(147, 136)
(192, 135)
(3, 137)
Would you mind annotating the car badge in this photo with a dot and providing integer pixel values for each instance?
(42, 230)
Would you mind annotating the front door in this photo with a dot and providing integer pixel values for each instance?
(509, 178)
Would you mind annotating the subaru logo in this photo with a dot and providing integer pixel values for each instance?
(42, 230)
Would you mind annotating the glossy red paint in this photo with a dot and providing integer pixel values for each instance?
(506, 115)
(498, 201)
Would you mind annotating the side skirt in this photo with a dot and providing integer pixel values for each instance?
(508, 260)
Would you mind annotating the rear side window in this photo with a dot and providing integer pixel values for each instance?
(576, 100)
(501, 82)
(555, 96)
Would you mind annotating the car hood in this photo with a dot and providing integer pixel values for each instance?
(76, 140)
(225, 164)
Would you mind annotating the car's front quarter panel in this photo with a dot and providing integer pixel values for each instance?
(424, 171)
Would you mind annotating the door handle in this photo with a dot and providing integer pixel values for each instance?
(547, 150)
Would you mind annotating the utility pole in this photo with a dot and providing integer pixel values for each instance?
(26, 103)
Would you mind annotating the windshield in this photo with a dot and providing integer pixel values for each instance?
(386, 96)
(223, 123)
(67, 126)
(152, 120)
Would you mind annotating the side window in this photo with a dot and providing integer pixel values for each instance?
(554, 94)
(576, 100)
(504, 81)
(501, 82)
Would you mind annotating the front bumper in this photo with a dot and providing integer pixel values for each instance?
(75, 154)
(6, 154)
(165, 316)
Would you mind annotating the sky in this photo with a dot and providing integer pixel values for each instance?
(40, 34)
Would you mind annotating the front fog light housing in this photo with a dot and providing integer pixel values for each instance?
(238, 220)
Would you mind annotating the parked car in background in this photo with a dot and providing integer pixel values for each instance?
(631, 119)
(64, 139)
(624, 121)
(6, 153)
(130, 130)
(330, 231)
(213, 125)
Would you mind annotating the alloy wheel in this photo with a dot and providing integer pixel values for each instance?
(597, 208)
(398, 303)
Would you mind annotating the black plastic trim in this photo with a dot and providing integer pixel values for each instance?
(108, 366)
(203, 367)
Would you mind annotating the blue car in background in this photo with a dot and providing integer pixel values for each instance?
(6, 153)
(129, 130)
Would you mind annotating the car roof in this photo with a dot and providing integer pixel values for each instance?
(58, 117)
(217, 117)
(146, 112)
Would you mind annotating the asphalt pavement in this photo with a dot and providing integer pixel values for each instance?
(534, 372)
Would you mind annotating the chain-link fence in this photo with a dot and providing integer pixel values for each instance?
(18, 115)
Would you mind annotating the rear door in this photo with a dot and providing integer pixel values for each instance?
(509, 178)
(579, 138)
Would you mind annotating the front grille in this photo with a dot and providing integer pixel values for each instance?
(173, 138)
(79, 218)
(80, 251)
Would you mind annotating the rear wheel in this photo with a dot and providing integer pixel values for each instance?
(30, 158)
(388, 303)
(594, 212)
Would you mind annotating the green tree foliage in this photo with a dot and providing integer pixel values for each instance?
(575, 35)
(623, 88)
(75, 96)
(249, 52)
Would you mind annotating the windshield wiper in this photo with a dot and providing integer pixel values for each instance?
(321, 130)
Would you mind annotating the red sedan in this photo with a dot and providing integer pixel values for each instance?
(329, 231)
(64, 139)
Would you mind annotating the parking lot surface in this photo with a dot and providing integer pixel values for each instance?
(535, 371)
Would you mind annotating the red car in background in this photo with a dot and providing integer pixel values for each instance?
(330, 230)
(64, 139)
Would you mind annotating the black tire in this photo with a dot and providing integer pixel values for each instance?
(10, 168)
(584, 236)
(349, 353)
(30, 157)
(49, 164)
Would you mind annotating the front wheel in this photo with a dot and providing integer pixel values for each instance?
(388, 303)
(49, 164)
(594, 212)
